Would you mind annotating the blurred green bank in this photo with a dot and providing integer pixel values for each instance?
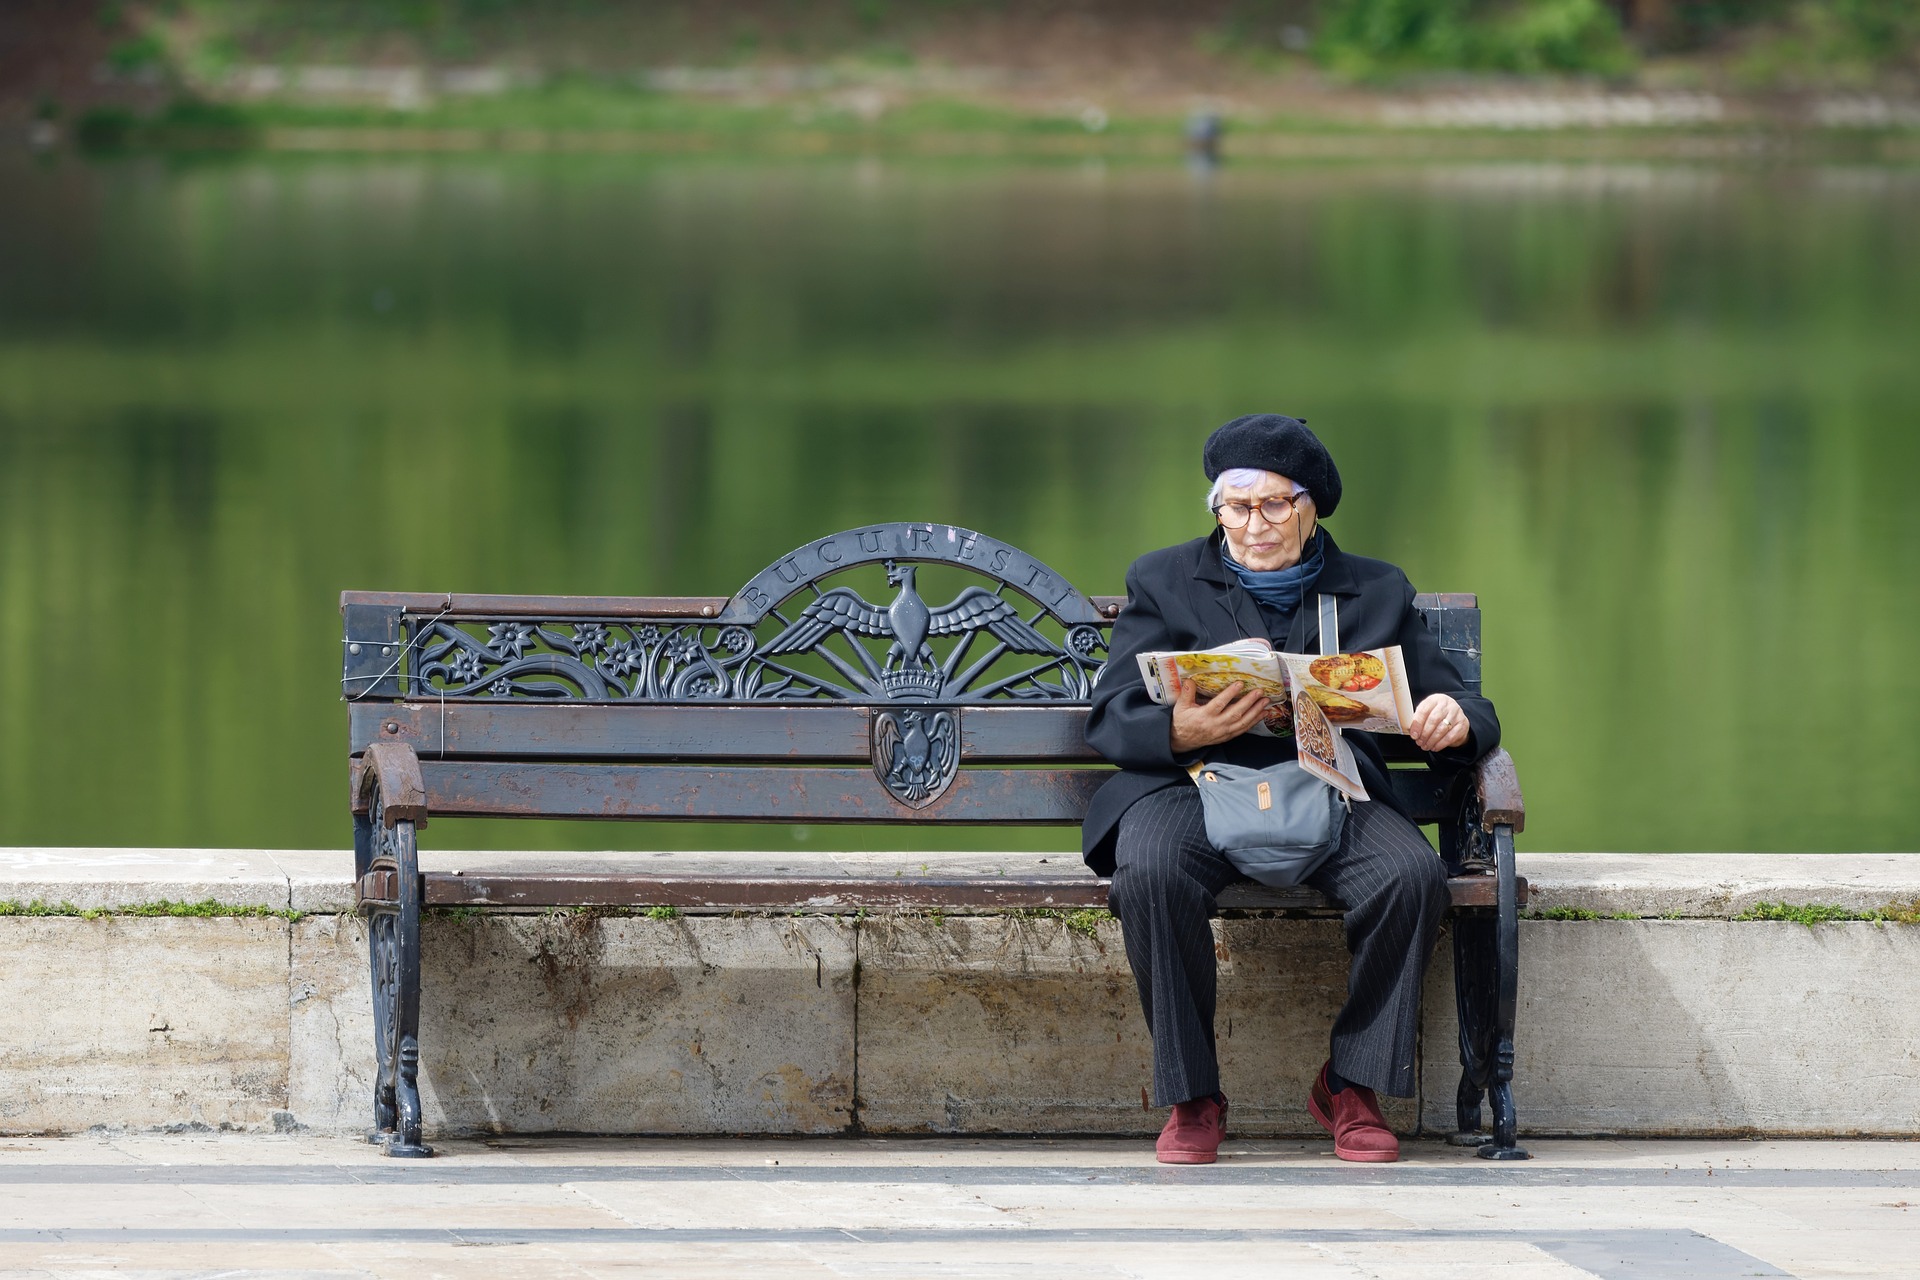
(1659, 417)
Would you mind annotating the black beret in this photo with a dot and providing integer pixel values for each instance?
(1277, 443)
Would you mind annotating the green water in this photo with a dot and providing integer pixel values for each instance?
(1660, 418)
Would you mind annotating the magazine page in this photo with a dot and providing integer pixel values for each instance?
(1321, 750)
(1365, 690)
(1252, 663)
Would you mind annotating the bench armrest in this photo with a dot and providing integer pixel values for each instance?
(1498, 788)
(396, 770)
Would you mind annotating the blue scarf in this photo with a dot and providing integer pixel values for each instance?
(1280, 589)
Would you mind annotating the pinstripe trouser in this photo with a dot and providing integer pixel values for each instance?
(1165, 883)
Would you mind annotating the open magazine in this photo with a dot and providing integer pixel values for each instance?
(1311, 698)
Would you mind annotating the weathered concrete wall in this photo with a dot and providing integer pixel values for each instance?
(142, 1023)
(1007, 1024)
(1702, 1026)
(574, 1024)
(981, 1024)
(990, 1024)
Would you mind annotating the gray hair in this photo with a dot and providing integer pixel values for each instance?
(1243, 478)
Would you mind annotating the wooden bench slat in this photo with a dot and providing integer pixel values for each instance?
(1025, 733)
(812, 731)
(827, 893)
(748, 893)
(429, 603)
(748, 794)
(530, 730)
(432, 602)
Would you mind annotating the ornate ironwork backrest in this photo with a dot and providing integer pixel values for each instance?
(1001, 626)
(987, 626)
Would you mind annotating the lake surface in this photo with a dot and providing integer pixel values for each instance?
(1660, 418)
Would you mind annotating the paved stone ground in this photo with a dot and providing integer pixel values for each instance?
(231, 1206)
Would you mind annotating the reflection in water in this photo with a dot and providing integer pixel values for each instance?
(1654, 415)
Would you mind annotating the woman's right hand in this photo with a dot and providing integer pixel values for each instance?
(1199, 724)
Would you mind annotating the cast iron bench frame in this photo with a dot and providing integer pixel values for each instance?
(731, 709)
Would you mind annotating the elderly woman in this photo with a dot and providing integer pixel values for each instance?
(1258, 574)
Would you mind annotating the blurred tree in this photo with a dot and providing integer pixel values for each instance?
(1366, 37)
(1651, 22)
(1370, 37)
(1877, 32)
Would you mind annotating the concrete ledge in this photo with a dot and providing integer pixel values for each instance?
(1677, 1020)
(1716, 885)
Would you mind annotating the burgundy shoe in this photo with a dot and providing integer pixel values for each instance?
(1353, 1117)
(1194, 1132)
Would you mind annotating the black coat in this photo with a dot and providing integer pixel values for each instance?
(1184, 597)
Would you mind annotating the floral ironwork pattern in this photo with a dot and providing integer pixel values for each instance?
(675, 661)
(1030, 640)
(594, 661)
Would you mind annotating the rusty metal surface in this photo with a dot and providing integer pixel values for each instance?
(394, 767)
(381, 884)
(748, 794)
(1499, 788)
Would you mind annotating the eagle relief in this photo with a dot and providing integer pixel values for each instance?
(916, 753)
(915, 750)
(910, 670)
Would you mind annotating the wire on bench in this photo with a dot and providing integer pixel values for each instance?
(412, 640)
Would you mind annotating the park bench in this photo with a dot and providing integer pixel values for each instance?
(798, 700)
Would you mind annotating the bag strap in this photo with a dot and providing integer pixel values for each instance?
(1329, 625)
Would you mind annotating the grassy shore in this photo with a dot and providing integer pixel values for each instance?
(852, 116)
(1066, 77)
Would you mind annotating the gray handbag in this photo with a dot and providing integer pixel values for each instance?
(1278, 824)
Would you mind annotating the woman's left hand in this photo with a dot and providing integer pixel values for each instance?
(1438, 723)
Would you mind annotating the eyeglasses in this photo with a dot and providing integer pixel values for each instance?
(1234, 515)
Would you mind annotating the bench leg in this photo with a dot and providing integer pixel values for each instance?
(366, 846)
(383, 965)
(1486, 965)
(1472, 968)
(393, 946)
